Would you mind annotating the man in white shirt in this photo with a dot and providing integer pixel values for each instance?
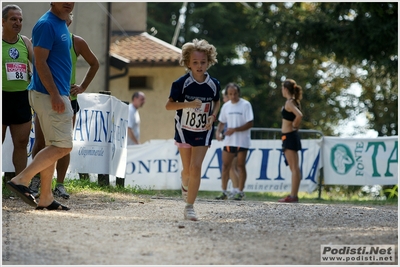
(237, 113)
(138, 100)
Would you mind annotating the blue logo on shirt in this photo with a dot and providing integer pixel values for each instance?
(13, 53)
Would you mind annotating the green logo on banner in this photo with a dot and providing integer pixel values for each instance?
(341, 159)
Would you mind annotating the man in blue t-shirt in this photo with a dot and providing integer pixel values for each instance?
(49, 97)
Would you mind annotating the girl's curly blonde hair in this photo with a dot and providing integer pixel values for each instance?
(198, 45)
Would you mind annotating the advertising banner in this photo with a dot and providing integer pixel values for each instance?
(360, 161)
(100, 136)
(157, 165)
(7, 149)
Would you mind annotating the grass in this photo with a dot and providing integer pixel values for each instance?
(83, 185)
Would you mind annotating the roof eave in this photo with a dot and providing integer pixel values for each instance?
(153, 64)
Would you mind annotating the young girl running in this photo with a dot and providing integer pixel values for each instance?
(195, 97)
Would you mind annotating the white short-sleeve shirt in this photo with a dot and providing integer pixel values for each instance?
(133, 123)
(236, 115)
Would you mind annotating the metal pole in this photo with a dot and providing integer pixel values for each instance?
(178, 25)
(320, 184)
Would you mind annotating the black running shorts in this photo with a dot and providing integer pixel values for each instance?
(291, 141)
(16, 108)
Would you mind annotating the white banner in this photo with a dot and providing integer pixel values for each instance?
(157, 165)
(100, 136)
(360, 161)
(7, 150)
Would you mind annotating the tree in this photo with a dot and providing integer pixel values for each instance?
(162, 18)
(325, 47)
(363, 38)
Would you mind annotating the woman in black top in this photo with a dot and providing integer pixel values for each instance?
(291, 119)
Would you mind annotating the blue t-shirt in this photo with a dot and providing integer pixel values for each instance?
(50, 32)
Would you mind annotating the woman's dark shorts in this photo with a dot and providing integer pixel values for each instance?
(234, 149)
(16, 108)
(75, 106)
(291, 141)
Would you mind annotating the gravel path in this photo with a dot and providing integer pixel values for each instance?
(116, 229)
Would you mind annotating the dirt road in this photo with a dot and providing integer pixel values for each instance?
(114, 229)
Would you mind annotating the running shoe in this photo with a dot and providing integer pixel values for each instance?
(34, 186)
(189, 213)
(60, 191)
(289, 199)
(222, 196)
(239, 196)
(231, 195)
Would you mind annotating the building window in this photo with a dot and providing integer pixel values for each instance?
(139, 82)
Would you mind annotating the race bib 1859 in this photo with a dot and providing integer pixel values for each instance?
(195, 119)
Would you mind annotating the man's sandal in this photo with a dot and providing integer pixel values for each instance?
(54, 206)
(23, 192)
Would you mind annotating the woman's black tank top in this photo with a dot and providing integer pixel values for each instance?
(290, 116)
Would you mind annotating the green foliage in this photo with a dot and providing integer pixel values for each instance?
(378, 193)
(353, 32)
(325, 47)
(77, 185)
(160, 23)
(391, 192)
(335, 195)
(379, 99)
(80, 185)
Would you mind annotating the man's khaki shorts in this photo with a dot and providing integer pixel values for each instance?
(56, 127)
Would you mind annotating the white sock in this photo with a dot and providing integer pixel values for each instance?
(185, 187)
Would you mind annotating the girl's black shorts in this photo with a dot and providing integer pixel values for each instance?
(291, 141)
